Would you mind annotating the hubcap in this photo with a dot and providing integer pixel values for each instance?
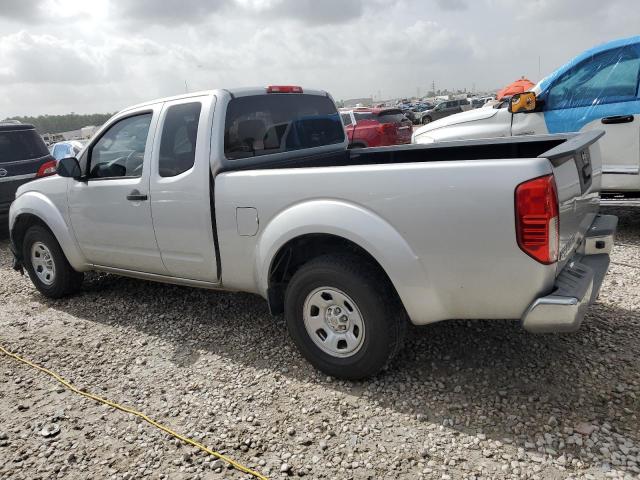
(42, 263)
(334, 322)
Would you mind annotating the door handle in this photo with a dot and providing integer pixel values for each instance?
(618, 119)
(136, 196)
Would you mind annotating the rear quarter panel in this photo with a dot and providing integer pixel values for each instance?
(443, 231)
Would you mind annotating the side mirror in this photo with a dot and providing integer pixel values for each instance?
(69, 167)
(523, 102)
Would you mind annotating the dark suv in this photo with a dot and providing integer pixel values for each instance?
(444, 109)
(23, 157)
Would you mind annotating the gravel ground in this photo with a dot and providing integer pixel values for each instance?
(463, 400)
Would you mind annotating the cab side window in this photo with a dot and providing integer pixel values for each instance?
(179, 136)
(607, 77)
(120, 151)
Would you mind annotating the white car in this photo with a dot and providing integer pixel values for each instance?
(597, 90)
(68, 148)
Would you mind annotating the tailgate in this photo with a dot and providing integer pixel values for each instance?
(577, 168)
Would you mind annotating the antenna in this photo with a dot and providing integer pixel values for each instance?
(539, 70)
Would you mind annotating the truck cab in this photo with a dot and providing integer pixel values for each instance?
(597, 90)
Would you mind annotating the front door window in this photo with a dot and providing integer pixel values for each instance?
(120, 151)
(607, 77)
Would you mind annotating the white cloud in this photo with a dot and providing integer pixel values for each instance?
(22, 10)
(106, 54)
(45, 59)
(452, 4)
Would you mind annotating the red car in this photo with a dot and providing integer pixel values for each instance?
(376, 127)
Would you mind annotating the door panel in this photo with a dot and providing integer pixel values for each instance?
(111, 230)
(620, 146)
(180, 182)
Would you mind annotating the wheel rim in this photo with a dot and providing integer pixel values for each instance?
(333, 322)
(42, 263)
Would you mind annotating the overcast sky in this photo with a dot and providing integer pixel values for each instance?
(59, 56)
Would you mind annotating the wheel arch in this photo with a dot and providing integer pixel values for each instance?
(305, 231)
(32, 209)
(302, 249)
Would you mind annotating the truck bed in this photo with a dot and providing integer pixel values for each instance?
(449, 207)
(532, 146)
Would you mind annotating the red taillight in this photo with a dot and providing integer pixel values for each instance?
(537, 219)
(284, 89)
(47, 168)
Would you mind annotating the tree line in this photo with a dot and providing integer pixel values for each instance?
(64, 123)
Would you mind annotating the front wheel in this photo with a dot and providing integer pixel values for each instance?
(343, 317)
(46, 264)
(426, 120)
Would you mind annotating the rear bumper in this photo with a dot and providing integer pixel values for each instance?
(578, 284)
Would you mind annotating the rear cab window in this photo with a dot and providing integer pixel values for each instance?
(391, 116)
(17, 145)
(274, 123)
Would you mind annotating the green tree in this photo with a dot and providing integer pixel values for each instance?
(64, 123)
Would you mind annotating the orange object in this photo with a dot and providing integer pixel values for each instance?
(518, 86)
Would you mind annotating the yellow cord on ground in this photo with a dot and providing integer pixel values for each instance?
(202, 447)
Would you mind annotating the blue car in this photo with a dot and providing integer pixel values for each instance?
(597, 90)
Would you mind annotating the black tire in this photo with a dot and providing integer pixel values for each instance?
(382, 314)
(65, 280)
(426, 120)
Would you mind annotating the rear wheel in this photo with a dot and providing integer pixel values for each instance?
(46, 264)
(343, 317)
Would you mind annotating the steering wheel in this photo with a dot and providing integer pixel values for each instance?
(128, 162)
(131, 162)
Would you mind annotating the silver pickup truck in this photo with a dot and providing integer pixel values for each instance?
(256, 190)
